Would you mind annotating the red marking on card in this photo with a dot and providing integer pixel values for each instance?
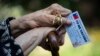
(75, 16)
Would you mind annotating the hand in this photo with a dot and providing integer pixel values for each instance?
(57, 39)
(41, 18)
(37, 36)
(29, 40)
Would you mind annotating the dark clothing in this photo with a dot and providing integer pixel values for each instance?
(8, 46)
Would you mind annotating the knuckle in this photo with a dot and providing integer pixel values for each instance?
(54, 5)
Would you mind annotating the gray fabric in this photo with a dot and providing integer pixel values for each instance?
(8, 47)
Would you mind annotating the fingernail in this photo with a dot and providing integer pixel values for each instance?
(66, 22)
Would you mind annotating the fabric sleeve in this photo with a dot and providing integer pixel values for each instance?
(8, 47)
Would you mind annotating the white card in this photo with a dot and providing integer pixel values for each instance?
(77, 32)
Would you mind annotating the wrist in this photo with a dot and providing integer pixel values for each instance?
(14, 25)
(18, 26)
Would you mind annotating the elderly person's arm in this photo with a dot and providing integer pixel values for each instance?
(30, 30)
(41, 18)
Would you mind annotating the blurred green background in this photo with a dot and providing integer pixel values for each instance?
(88, 9)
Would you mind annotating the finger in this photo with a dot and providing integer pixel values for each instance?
(61, 33)
(59, 21)
(62, 30)
(47, 20)
(65, 21)
(63, 11)
(59, 8)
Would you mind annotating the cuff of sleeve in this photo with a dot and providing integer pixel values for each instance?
(8, 24)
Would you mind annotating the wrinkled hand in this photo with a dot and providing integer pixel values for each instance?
(41, 18)
(44, 17)
(29, 40)
(31, 28)
(57, 38)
